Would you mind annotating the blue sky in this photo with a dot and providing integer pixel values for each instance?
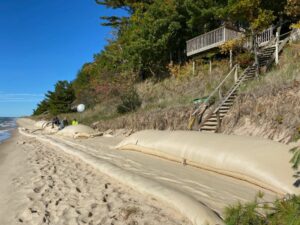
(42, 42)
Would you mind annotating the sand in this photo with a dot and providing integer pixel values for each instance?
(14, 174)
(194, 193)
(41, 184)
(183, 194)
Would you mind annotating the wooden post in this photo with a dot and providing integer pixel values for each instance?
(236, 74)
(230, 60)
(210, 66)
(220, 93)
(194, 67)
(277, 48)
(218, 121)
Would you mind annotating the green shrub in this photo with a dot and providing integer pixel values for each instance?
(245, 59)
(259, 212)
(130, 102)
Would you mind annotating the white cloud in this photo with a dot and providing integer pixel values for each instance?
(20, 97)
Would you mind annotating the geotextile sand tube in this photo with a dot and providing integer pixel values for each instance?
(258, 161)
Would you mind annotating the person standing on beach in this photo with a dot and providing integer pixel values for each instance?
(74, 122)
(63, 123)
(55, 121)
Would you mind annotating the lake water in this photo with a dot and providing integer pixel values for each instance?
(7, 124)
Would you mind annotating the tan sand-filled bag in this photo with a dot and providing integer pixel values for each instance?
(259, 161)
(41, 124)
(46, 127)
(77, 131)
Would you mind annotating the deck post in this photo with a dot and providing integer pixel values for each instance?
(220, 93)
(230, 60)
(277, 48)
(210, 67)
(194, 67)
(236, 74)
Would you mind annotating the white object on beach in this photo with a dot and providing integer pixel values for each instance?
(80, 108)
(259, 161)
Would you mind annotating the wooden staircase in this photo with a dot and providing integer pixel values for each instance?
(265, 55)
(212, 121)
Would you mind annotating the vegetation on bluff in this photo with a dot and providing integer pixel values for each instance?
(152, 38)
(150, 43)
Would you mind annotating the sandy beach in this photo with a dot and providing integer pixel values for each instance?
(42, 185)
(53, 179)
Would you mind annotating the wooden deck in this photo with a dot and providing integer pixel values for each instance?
(212, 39)
(217, 37)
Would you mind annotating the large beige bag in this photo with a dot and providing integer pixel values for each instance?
(77, 130)
(259, 161)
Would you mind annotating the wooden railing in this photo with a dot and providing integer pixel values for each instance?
(235, 79)
(219, 92)
(210, 40)
(217, 37)
(265, 37)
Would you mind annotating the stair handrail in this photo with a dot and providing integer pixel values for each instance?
(235, 68)
(279, 47)
(234, 87)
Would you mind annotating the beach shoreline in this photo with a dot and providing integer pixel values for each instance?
(13, 171)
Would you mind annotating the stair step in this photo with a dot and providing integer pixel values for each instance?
(264, 56)
(228, 104)
(210, 124)
(225, 107)
(209, 127)
(214, 118)
(267, 51)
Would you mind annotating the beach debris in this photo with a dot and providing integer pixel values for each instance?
(128, 211)
(21, 142)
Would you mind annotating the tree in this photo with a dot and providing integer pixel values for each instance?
(252, 16)
(204, 15)
(292, 9)
(42, 107)
(129, 5)
(61, 98)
